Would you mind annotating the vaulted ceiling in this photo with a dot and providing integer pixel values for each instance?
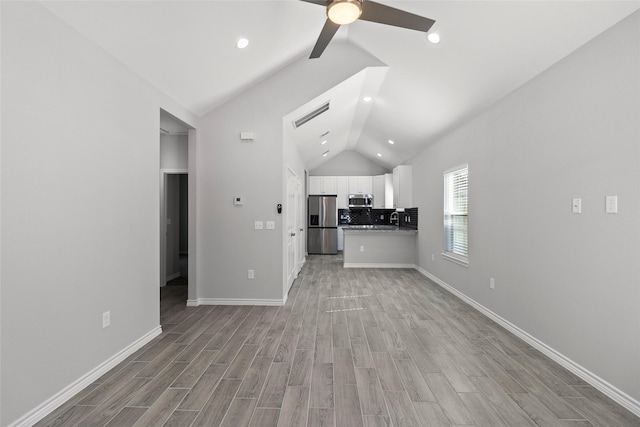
(487, 49)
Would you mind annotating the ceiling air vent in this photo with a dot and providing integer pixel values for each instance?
(310, 116)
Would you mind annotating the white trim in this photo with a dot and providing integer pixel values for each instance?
(234, 301)
(455, 258)
(377, 265)
(457, 168)
(51, 404)
(605, 387)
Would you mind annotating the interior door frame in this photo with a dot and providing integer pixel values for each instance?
(163, 219)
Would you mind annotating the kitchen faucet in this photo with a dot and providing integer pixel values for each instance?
(394, 216)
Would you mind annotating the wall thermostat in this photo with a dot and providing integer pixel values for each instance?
(237, 200)
(246, 136)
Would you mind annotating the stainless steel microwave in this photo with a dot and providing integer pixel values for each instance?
(360, 200)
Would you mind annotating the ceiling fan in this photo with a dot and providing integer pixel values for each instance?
(343, 12)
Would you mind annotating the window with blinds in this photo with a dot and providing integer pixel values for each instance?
(456, 186)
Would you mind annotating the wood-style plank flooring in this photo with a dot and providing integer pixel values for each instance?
(351, 348)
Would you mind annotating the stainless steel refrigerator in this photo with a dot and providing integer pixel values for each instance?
(322, 222)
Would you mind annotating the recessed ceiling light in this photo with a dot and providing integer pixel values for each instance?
(242, 43)
(391, 142)
(367, 99)
(433, 38)
(378, 154)
(325, 153)
(323, 142)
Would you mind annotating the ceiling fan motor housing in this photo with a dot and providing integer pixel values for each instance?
(343, 12)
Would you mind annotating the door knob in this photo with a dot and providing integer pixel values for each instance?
(293, 234)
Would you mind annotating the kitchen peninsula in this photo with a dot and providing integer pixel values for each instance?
(391, 244)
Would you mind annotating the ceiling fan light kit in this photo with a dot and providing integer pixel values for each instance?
(344, 12)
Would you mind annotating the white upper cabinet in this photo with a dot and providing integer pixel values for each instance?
(388, 190)
(378, 192)
(343, 192)
(330, 185)
(380, 186)
(323, 185)
(402, 187)
(360, 185)
(316, 184)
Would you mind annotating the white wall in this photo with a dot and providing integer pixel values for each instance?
(349, 162)
(80, 204)
(228, 245)
(568, 280)
(174, 152)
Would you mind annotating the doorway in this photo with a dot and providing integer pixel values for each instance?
(176, 253)
(176, 211)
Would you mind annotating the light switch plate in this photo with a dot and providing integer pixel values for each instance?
(259, 225)
(271, 225)
(611, 204)
(576, 206)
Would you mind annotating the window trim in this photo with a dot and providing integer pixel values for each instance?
(452, 256)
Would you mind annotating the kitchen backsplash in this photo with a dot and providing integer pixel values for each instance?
(360, 216)
(409, 218)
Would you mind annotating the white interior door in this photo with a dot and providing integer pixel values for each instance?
(300, 216)
(291, 227)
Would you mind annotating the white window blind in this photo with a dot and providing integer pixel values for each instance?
(456, 185)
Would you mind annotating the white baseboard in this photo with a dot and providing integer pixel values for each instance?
(605, 387)
(377, 265)
(74, 388)
(234, 301)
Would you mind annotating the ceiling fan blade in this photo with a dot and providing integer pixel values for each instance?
(325, 37)
(318, 2)
(376, 12)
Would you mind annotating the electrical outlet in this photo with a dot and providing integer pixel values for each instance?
(106, 319)
(250, 274)
(271, 225)
(259, 225)
(492, 283)
(433, 257)
(361, 248)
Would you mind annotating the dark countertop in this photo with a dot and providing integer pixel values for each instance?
(377, 229)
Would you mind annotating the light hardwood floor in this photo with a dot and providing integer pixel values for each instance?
(351, 348)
